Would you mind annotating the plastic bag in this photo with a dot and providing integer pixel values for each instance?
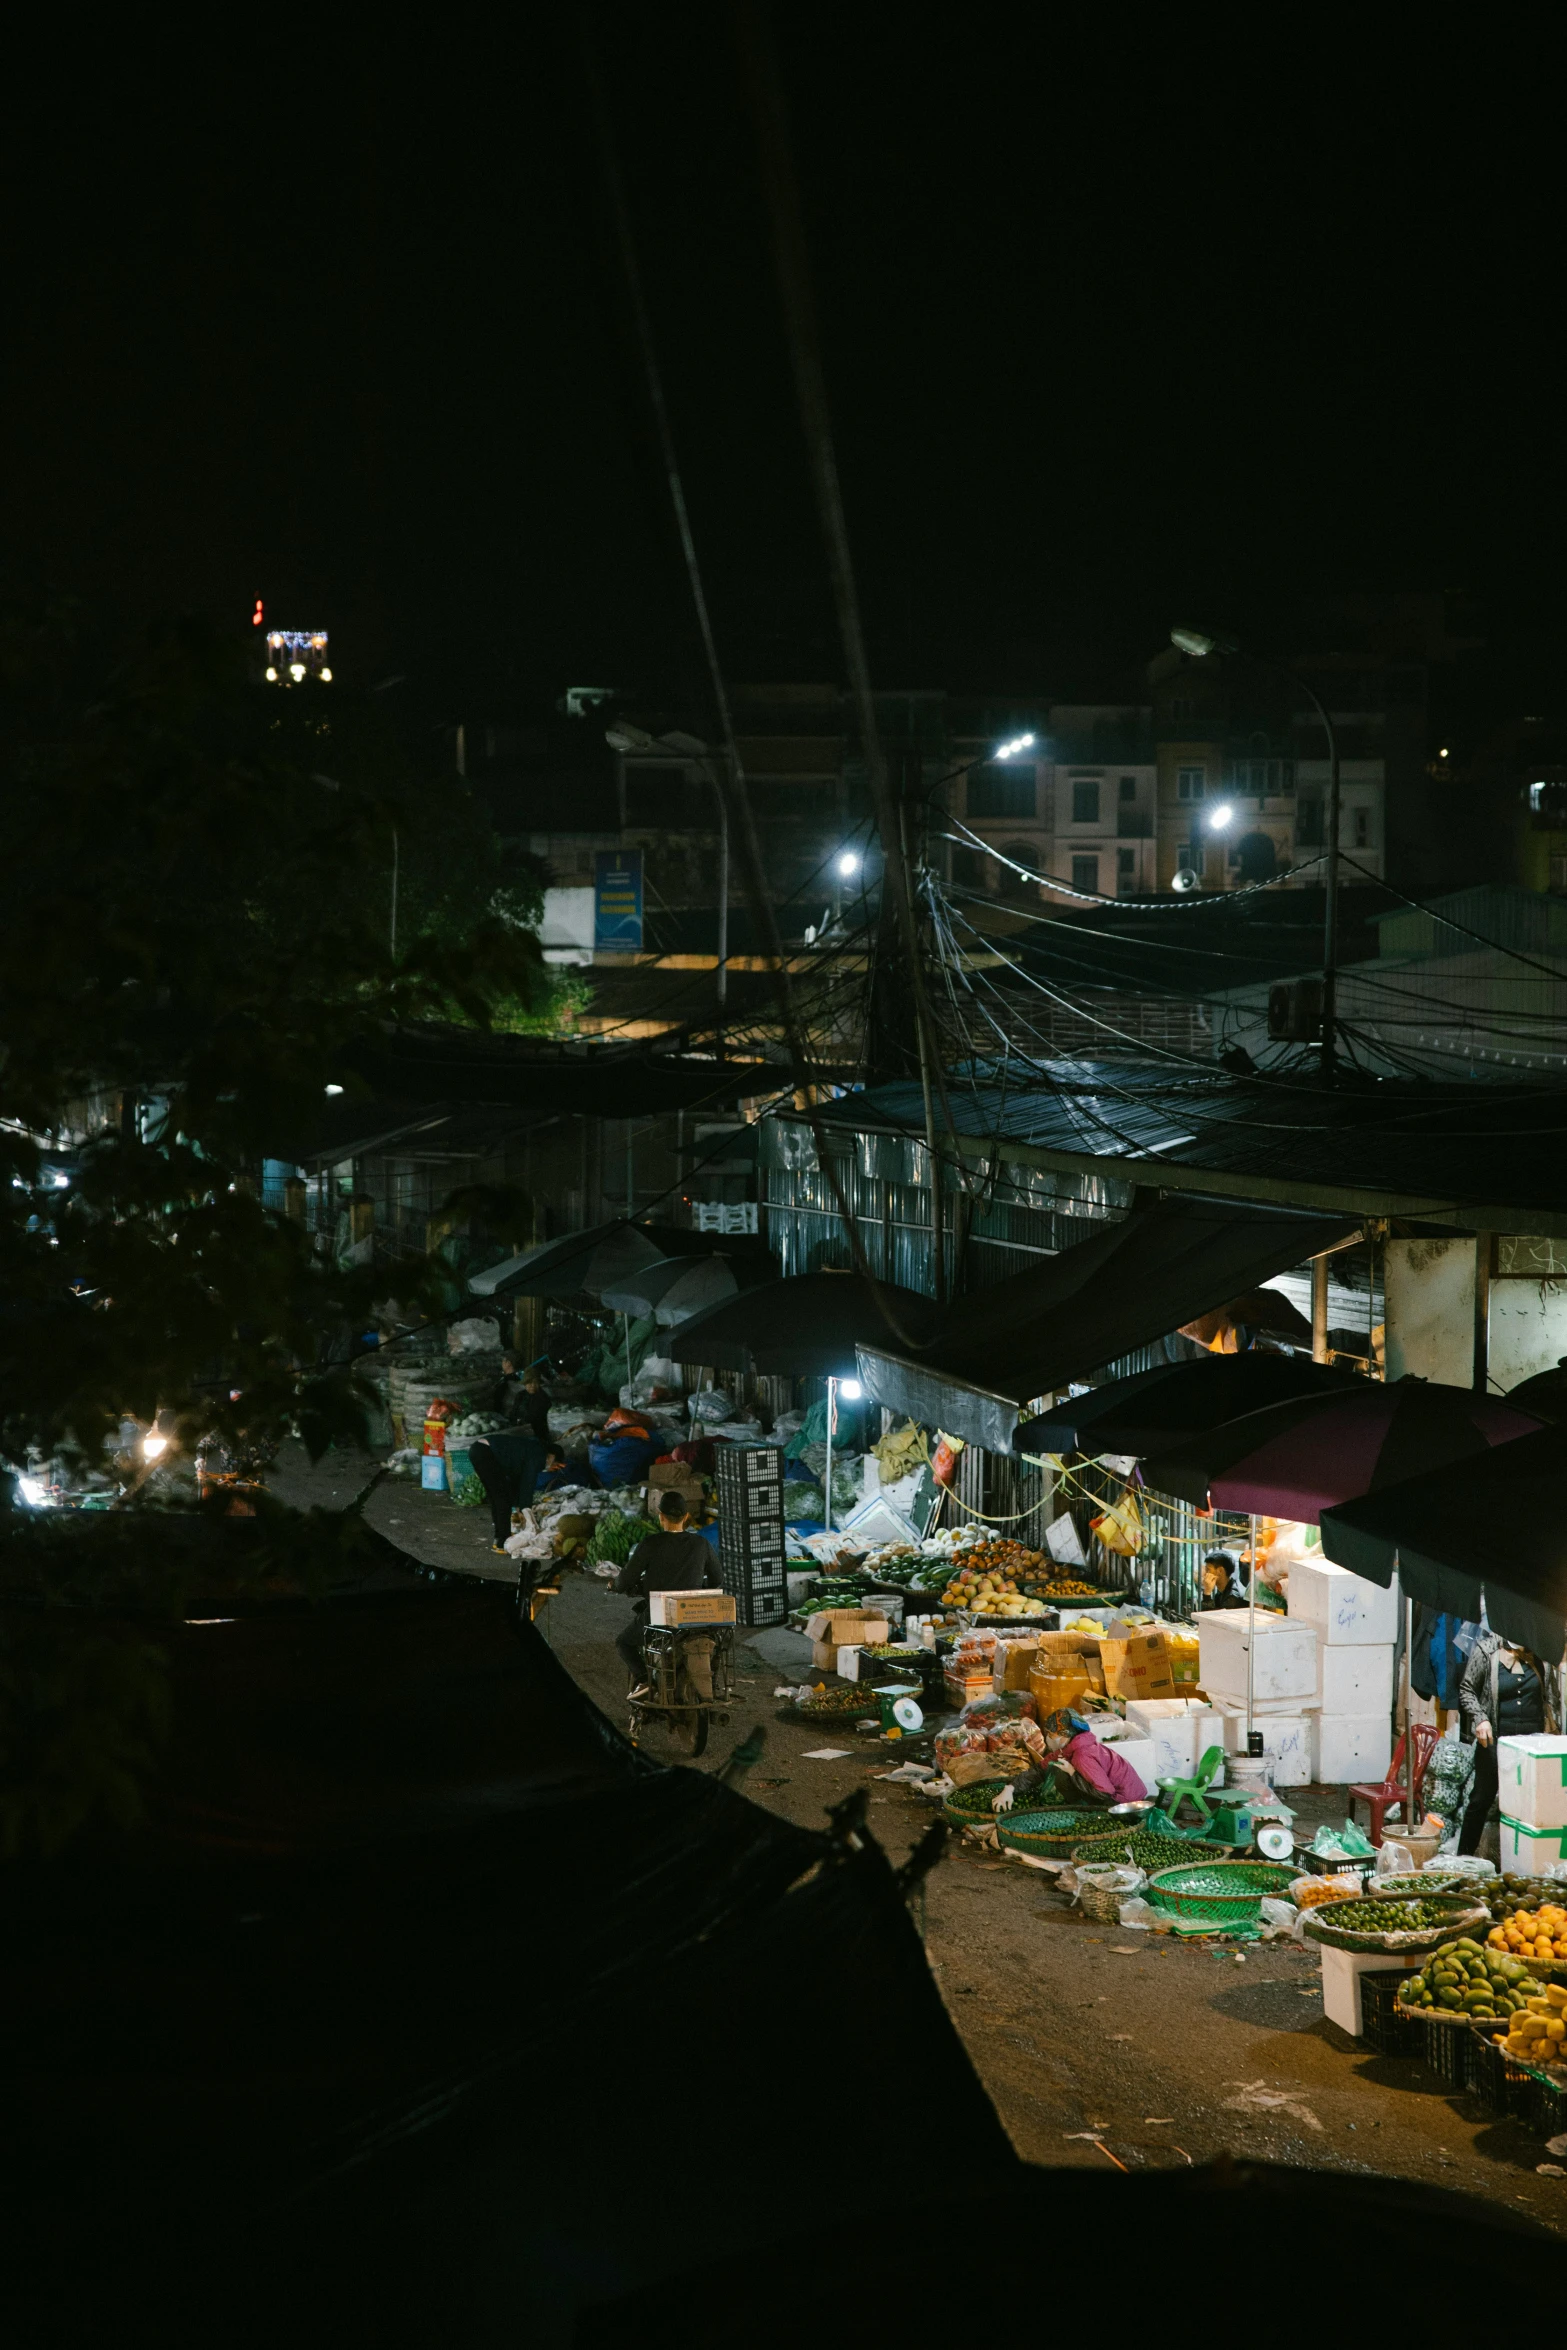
(1346, 1843)
(944, 1460)
(1461, 1864)
(1121, 1527)
(710, 1405)
(1311, 1892)
(1137, 1914)
(1278, 1918)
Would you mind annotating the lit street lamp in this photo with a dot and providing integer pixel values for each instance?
(1200, 644)
(851, 1391)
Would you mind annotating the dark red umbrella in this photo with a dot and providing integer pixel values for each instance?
(1297, 1459)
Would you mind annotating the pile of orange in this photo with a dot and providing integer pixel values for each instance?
(1533, 1933)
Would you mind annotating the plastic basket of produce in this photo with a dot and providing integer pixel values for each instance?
(1399, 1923)
(1108, 1844)
(1385, 2023)
(1144, 1848)
(834, 1705)
(1219, 1892)
(1462, 1982)
(1050, 1835)
(1532, 2095)
(1537, 1936)
(970, 1806)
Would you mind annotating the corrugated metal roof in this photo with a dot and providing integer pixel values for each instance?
(1381, 1147)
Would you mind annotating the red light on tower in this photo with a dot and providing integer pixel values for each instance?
(256, 616)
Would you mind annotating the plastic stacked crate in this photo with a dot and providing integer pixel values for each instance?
(1386, 2026)
(751, 1531)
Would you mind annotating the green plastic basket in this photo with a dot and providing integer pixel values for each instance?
(1219, 1892)
(1052, 1835)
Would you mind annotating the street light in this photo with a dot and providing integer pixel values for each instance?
(1019, 742)
(624, 737)
(851, 1391)
(849, 863)
(1219, 818)
(1201, 644)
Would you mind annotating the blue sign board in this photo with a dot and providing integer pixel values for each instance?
(617, 902)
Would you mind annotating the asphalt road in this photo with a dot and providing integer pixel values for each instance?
(1100, 2046)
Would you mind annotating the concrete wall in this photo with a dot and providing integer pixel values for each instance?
(1429, 1287)
(1528, 1330)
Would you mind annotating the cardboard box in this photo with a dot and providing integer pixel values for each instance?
(1346, 1609)
(1014, 1661)
(690, 1607)
(1532, 1778)
(1138, 1667)
(839, 1628)
(1067, 1643)
(1058, 1691)
(1285, 1664)
(1355, 1679)
(1341, 1973)
(1351, 1748)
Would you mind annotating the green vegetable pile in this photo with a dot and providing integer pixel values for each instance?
(1465, 1979)
(616, 1536)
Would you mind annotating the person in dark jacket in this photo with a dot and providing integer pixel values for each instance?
(676, 1558)
(508, 1465)
(521, 1398)
(1501, 1695)
(1221, 1581)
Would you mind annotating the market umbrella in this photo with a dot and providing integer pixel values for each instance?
(1160, 1407)
(1294, 1460)
(807, 1327)
(583, 1264)
(1492, 1527)
(676, 1287)
(1545, 1394)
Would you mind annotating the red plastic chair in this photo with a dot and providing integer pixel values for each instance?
(1392, 1790)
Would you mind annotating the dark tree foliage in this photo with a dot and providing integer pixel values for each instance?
(195, 928)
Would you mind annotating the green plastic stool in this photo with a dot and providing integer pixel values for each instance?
(1173, 1792)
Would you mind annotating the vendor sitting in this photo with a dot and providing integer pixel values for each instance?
(1223, 1584)
(1085, 1769)
(555, 1473)
(676, 1558)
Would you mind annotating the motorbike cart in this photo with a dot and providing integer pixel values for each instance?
(688, 1673)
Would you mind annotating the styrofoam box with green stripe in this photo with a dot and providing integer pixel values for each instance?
(1531, 1777)
(1528, 1852)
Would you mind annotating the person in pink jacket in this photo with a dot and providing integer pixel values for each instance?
(1109, 1777)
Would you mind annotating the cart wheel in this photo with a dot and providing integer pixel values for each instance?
(688, 1730)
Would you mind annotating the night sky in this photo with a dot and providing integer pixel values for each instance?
(1117, 330)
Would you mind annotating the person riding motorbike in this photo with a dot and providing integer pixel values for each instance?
(676, 1558)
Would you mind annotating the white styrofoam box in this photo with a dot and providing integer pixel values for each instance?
(1265, 1707)
(1147, 1710)
(1344, 1607)
(1289, 1741)
(1285, 1664)
(1139, 1752)
(1357, 1680)
(1174, 1743)
(1351, 1747)
(1341, 1973)
(1531, 1779)
(1525, 1851)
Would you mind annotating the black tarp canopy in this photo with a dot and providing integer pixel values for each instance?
(806, 1327)
(1131, 1284)
(1493, 1525)
(1175, 1400)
